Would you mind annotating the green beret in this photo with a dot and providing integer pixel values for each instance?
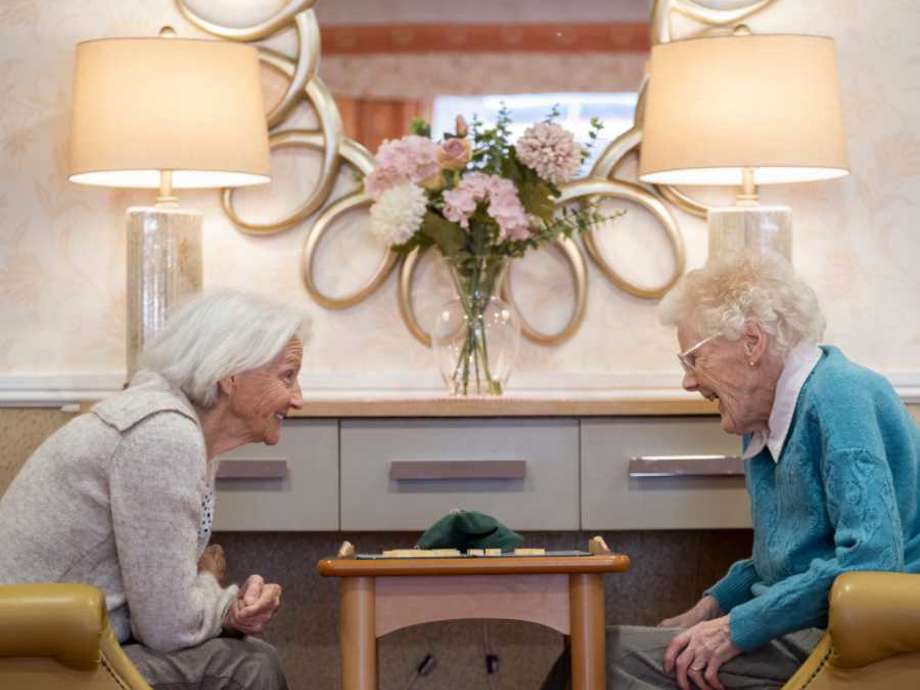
(469, 529)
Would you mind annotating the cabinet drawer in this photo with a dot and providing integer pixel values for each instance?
(304, 498)
(677, 498)
(481, 462)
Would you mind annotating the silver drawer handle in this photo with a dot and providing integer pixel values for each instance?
(686, 466)
(252, 469)
(457, 469)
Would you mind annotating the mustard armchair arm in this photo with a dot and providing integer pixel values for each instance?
(873, 616)
(62, 621)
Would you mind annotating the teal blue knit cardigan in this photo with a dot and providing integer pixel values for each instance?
(843, 496)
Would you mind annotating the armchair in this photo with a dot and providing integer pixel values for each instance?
(873, 636)
(58, 636)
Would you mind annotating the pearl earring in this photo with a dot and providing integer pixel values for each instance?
(751, 363)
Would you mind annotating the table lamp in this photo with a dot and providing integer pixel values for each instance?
(744, 110)
(165, 113)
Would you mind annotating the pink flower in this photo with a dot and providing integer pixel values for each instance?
(478, 183)
(410, 159)
(381, 180)
(551, 151)
(504, 205)
(506, 208)
(460, 204)
(454, 154)
(460, 127)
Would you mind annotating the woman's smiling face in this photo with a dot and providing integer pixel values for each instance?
(721, 371)
(265, 395)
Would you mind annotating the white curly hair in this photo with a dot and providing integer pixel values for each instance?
(220, 333)
(718, 298)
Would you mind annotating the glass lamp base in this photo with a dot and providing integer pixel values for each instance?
(163, 266)
(750, 228)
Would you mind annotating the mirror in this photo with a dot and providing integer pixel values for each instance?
(407, 59)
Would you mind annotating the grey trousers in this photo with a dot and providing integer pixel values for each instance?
(221, 663)
(635, 657)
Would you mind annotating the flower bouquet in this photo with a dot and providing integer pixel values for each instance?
(480, 200)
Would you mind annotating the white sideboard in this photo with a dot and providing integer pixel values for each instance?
(540, 492)
(533, 473)
(674, 488)
(302, 497)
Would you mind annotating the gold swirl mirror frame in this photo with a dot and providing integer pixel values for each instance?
(304, 86)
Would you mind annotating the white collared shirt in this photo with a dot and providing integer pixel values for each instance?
(798, 365)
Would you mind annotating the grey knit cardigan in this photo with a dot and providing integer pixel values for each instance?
(114, 499)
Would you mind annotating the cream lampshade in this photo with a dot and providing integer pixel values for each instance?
(166, 113)
(744, 110)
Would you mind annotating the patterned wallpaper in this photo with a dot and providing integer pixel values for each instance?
(62, 246)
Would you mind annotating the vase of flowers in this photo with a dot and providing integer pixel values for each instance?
(481, 200)
(475, 336)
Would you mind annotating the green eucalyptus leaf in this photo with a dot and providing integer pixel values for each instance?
(420, 127)
(417, 240)
(447, 235)
(537, 198)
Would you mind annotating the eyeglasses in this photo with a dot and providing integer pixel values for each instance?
(687, 359)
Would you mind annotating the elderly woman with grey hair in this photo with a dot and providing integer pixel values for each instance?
(122, 497)
(832, 471)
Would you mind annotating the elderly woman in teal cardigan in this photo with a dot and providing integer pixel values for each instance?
(832, 470)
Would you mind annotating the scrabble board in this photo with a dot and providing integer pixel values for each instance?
(471, 553)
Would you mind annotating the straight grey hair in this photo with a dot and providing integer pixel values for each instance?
(221, 333)
(718, 298)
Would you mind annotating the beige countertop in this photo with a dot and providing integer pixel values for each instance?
(509, 406)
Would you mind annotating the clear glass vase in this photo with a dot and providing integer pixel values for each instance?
(475, 337)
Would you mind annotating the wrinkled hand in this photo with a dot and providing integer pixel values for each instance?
(213, 561)
(254, 606)
(698, 653)
(705, 609)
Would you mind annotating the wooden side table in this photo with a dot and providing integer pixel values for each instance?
(379, 596)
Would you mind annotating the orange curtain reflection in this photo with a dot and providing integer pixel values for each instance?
(371, 120)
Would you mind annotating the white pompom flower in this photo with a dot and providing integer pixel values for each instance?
(398, 213)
